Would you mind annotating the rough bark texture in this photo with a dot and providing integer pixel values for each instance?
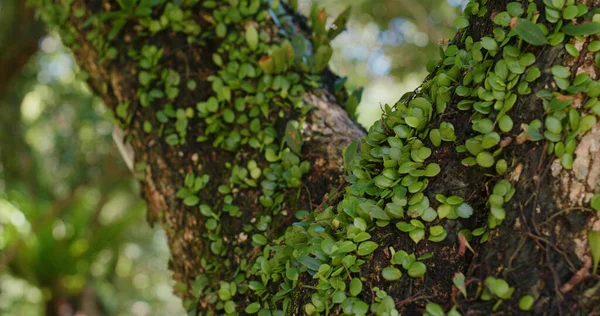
(539, 249)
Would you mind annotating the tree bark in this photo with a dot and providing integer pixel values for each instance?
(540, 249)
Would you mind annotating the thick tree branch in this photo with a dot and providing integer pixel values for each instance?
(460, 163)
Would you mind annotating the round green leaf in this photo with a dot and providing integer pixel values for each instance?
(434, 309)
(391, 273)
(366, 248)
(501, 166)
(432, 170)
(191, 200)
(355, 286)
(595, 202)
(252, 308)
(417, 269)
(252, 37)
(489, 43)
(485, 159)
(526, 302)
(505, 123)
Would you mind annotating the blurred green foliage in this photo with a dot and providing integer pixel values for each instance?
(388, 44)
(72, 226)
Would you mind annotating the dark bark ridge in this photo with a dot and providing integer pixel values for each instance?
(447, 165)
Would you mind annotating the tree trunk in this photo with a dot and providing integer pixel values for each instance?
(207, 125)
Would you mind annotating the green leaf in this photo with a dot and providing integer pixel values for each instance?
(461, 22)
(560, 71)
(526, 302)
(405, 227)
(594, 241)
(374, 211)
(252, 37)
(349, 153)
(355, 286)
(515, 9)
(191, 200)
(529, 32)
(259, 239)
(339, 24)
(360, 224)
(412, 121)
(454, 200)
(366, 248)
(586, 28)
(595, 202)
(310, 262)
(293, 137)
(230, 307)
(391, 273)
(322, 57)
(417, 235)
(489, 43)
(435, 137)
(292, 274)
(560, 102)
(417, 269)
(434, 309)
(253, 308)
(485, 159)
(459, 282)
(505, 123)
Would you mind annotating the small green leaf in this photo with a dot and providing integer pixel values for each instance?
(586, 28)
(454, 200)
(230, 307)
(594, 241)
(191, 200)
(586, 123)
(435, 137)
(259, 239)
(252, 37)
(515, 9)
(366, 248)
(417, 235)
(528, 31)
(417, 269)
(293, 137)
(459, 282)
(505, 123)
(461, 22)
(526, 302)
(595, 202)
(405, 227)
(501, 166)
(412, 121)
(489, 43)
(374, 211)
(349, 153)
(322, 57)
(253, 308)
(355, 286)
(339, 24)
(434, 309)
(391, 273)
(464, 210)
(560, 71)
(485, 159)
(292, 274)
(594, 46)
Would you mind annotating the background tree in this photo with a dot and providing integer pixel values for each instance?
(219, 149)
